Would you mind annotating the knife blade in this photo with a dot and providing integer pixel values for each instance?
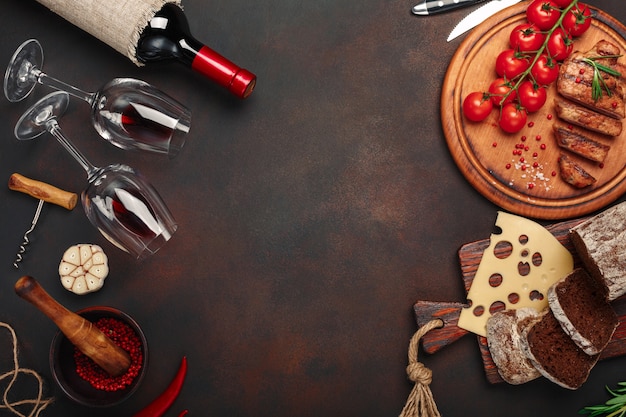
(430, 7)
(479, 15)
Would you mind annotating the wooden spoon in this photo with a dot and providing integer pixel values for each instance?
(81, 332)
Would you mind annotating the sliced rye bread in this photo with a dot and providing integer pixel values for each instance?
(554, 353)
(504, 340)
(600, 241)
(578, 302)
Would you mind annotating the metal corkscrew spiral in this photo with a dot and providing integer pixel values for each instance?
(26, 241)
(45, 193)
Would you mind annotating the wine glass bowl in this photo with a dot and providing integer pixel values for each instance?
(119, 202)
(128, 211)
(129, 113)
(132, 114)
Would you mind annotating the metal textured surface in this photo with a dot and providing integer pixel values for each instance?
(312, 216)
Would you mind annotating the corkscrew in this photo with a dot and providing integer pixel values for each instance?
(44, 193)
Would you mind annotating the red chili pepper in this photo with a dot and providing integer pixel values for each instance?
(159, 406)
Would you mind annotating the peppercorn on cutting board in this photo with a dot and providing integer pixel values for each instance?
(470, 256)
(484, 153)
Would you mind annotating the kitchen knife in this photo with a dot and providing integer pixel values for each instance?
(479, 15)
(428, 7)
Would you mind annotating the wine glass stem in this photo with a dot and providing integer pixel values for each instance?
(45, 79)
(55, 130)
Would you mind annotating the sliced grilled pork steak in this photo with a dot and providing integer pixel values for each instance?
(576, 77)
(577, 142)
(584, 117)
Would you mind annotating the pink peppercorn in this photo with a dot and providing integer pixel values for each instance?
(126, 338)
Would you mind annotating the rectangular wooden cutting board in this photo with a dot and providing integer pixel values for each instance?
(470, 255)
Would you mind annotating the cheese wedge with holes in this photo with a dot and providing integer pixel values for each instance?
(515, 271)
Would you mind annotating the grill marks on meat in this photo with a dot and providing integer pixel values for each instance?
(574, 174)
(576, 79)
(576, 106)
(580, 144)
(589, 119)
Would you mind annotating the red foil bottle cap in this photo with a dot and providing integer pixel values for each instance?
(238, 81)
(243, 83)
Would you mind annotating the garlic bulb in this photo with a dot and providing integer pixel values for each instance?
(83, 268)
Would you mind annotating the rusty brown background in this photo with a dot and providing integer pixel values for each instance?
(312, 216)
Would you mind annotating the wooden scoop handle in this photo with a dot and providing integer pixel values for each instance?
(42, 191)
(81, 332)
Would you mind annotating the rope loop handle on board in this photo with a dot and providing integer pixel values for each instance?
(420, 402)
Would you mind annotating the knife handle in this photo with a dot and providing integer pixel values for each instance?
(428, 7)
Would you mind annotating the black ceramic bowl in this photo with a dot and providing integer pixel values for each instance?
(63, 364)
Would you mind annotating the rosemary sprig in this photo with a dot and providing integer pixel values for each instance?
(598, 83)
(613, 407)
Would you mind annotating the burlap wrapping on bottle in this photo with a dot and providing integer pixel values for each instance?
(118, 23)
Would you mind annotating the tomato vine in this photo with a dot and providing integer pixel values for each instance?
(521, 65)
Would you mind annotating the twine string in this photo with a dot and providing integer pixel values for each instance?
(38, 404)
(420, 402)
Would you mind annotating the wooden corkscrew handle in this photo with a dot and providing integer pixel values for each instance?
(81, 332)
(42, 191)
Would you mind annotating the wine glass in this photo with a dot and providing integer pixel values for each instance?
(129, 113)
(122, 205)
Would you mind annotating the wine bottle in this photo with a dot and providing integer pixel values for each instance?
(167, 37)
(121, 24)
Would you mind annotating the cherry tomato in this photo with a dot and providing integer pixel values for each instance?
(543, 13)
(560, 45)
(562, 3)
(577, 20)
(531, 96)
(545, 71)
(511, 63)
(498, 89)
(512, 118)
(477, 106)
(526, 37)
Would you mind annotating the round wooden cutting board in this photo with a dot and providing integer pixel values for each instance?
(486, 155)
